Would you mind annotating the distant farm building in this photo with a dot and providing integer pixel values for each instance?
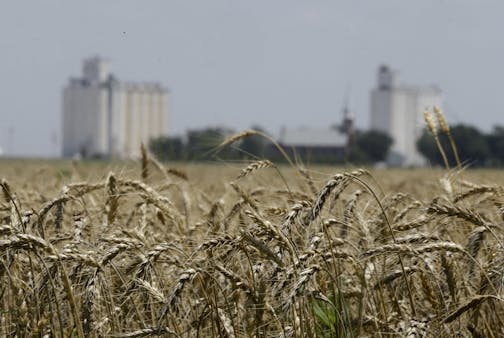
(103, 116)
(317, 145)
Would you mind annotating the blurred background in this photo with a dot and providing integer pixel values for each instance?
(95, 78)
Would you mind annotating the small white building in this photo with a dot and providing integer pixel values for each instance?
(103, 116)
(397, 110)
(322, 145)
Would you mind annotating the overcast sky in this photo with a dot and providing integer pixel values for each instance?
(238, 63)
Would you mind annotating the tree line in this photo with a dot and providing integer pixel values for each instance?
(475, 148)
(365, 147)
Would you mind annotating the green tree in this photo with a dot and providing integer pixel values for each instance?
(426, 145)
(167, 148)
(472, 146)
(495, 142)
(370, 147)
(254, 145)
(202, 142)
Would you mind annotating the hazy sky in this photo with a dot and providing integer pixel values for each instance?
(238, 63)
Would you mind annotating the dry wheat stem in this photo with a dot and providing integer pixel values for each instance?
(473, 302)
(433, 128)
(446, 130)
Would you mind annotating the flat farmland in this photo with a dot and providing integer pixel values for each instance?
(235, 249)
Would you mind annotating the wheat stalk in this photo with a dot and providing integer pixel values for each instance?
(255, 166)
(433, 129)
(446, 130)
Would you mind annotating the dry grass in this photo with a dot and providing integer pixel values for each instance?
(140, 249)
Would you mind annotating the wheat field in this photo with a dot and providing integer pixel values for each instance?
(249, 250)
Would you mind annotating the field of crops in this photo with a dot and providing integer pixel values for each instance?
(249, 250)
